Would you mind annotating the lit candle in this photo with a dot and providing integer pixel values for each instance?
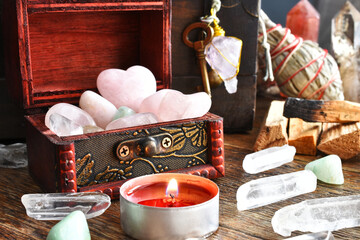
(170, 199)
(169, 206)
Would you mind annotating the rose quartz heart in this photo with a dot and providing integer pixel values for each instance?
(126, 88)
(169, 105)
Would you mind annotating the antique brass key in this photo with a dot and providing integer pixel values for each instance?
(199, 47)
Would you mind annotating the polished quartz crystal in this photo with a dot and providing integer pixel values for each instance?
(327, 169)
(123, 111)
(314, 236)
(56, 206)
(132, 121)
(126, 87)
(315, 215)
(303, 20)
(71, 112)
(99, 108)
(92, 129)
(170, 105)
(73, 226)
(62, 126)
(13, 155)
(263, 191)
(268, 159)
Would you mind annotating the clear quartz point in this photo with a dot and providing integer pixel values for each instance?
(13, 155)
(315, 215)
(264, 191)
(56, 206)
(62, 126)
(268, 159)
(314, 236)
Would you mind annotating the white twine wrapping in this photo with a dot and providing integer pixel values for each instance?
(216, 5)
(268, 71)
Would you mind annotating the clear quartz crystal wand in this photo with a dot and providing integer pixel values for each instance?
(263, 191)
(315, 215)
(56, 206)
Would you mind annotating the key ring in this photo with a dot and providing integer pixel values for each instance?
(209, 32)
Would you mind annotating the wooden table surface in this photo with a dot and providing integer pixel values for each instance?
(234, 224)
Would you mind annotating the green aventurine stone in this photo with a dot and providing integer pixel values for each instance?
(327, 169)
(123, 112)
(72, 227)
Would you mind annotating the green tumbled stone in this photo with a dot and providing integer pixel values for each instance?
(123, 112)
(72, 227)
(327, 169)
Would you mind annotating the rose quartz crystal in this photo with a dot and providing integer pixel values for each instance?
(98, 107)
(71, 112)
(132, 121)
(169, 105)
(126, 88)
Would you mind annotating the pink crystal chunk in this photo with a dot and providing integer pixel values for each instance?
(303, 20)
(132, 121)
(126, 88)
(170, 105)
(71, 112)
(98, 107)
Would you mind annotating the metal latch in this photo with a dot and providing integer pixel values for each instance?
(144, 147)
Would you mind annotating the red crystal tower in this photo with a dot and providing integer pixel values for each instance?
(303, 20)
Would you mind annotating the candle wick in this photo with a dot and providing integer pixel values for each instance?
(172, 195)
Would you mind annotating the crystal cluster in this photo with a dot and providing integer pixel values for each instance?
(315, 215)
(128, 98)
(13, 155)
(345, 43)
(56, 206)
(263, 191)
(268, 159)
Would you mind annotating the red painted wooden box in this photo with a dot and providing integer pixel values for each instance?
(55, 51)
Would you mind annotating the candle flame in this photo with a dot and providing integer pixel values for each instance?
(172, 188)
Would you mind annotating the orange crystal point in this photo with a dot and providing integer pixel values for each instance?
(303, 20)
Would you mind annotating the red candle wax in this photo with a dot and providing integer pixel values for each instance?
(167, 203)
(154, 195)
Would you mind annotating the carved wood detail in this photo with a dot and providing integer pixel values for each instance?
(67, 168)
(216, 151)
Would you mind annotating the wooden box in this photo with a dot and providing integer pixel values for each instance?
(55, 50)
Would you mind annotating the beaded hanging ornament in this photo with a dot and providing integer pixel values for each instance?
(301, 68)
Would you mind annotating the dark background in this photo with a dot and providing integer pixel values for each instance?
(11, 115)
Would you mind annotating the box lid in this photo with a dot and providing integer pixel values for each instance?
(57, 48)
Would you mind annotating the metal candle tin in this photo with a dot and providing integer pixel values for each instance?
(147, 222)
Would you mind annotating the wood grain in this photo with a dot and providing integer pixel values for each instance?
(334, 111)
(250, 224)
(58, 50)
(273, 130)
(342, 139)
(304, 135)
